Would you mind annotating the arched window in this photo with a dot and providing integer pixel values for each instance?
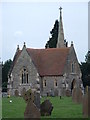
(44, 83)
(72, 67)
(24, 76)
(55, 83)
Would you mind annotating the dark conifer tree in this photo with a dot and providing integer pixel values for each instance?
(85, 69)
(5, 70)
(52, 42)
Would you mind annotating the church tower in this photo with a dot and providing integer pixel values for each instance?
(60, 42)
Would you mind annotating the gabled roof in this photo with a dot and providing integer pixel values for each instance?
(49, 61)
(14, 60)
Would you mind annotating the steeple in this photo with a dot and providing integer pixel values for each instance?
(60, 42)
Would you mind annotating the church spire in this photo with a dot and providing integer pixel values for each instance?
(60, 42)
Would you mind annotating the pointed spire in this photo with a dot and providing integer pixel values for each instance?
(60, 42)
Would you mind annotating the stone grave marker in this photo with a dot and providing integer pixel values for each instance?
(77, 95)
(31, 111)
(16, 93)
(74, 95)
(68, 93)
(23, 92)
(37, 99)
(86, 103)
(46, 108)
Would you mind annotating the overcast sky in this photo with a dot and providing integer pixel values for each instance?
(31, 22)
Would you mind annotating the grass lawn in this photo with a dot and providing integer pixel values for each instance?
(14, 109)
(63, 108)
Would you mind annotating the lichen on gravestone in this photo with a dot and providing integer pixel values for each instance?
(46, 108)
(28, 96)
(31, 111)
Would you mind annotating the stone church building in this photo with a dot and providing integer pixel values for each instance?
(51, 70)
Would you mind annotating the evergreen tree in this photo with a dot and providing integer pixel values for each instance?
(54, 36)
(88, 57)
(85, 69)
(5, 70)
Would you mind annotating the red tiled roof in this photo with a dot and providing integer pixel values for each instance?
(49, 61)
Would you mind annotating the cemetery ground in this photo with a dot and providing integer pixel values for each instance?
(63, 108)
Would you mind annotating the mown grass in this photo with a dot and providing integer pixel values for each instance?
(63, 108)
(15, 109)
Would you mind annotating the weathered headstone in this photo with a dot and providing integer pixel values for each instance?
(74, 97)
(77, 95)
(46, 108)
(68, 93)
(86, 103)
(37, 99)
(16, 93)
(23, 92)
(31, 110)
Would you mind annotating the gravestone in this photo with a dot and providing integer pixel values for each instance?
(68, 93)
(46, 108)
(31, 110)
(23, 92)
(37, 99)
(16, 93)
(74, 97)
(77, 95)
(86, 103)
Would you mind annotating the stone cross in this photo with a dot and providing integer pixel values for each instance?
(60, 8)
(29, 96)
(31, 110)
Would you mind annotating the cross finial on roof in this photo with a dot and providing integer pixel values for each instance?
(71, 43)
(24, 45)
(17, 46)
(60, 8)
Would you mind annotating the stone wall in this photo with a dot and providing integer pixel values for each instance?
(76, 73)
(24, 60)
(51, 88)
